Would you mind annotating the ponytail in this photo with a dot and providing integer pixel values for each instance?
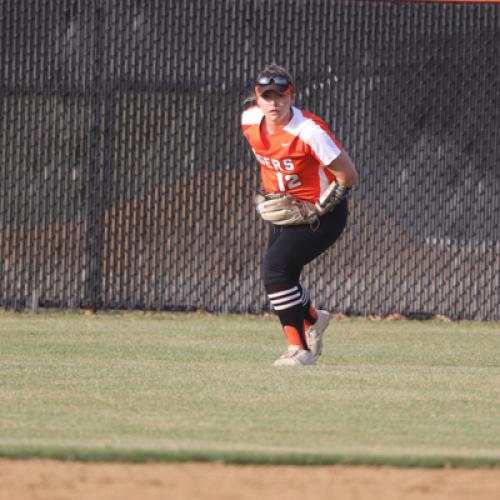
(250, 101)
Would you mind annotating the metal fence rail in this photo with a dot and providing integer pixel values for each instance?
(126, 183)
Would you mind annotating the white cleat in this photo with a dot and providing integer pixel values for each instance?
(314, 334)
(295, 356)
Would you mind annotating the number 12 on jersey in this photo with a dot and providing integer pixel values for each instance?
(288, 181)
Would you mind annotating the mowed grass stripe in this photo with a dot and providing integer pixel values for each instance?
(397, 458)
(173, 386)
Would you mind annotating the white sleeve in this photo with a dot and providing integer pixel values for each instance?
(321, 143)
(252, 116)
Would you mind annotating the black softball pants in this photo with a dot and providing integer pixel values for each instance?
(290, 248)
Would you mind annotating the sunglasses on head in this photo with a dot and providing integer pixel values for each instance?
(276, 80)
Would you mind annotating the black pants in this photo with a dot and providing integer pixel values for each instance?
(290, 248)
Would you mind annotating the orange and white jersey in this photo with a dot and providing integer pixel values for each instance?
(293, 160)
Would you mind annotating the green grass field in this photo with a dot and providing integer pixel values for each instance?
(139, 387)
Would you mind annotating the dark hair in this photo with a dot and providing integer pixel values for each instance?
(272, 69)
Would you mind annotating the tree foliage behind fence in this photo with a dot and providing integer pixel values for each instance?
(125, 181)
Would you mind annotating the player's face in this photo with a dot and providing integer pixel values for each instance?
(276, 107)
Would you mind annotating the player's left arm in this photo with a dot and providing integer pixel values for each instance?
(346, 176)
(344, 170)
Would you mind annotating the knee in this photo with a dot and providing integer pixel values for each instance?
(277, 270)
(271, 272)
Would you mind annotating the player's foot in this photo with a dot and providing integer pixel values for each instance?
(314, 334)
(295, 356)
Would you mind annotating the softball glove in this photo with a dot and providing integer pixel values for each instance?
(285, 210)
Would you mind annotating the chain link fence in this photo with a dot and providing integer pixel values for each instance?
(125, 182)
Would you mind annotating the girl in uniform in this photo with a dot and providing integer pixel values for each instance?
(298, 156)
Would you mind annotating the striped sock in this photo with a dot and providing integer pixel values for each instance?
(310, 315)
(286, 302)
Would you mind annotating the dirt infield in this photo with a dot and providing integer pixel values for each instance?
(46, 479)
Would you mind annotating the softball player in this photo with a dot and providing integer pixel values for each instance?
(305, 176)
